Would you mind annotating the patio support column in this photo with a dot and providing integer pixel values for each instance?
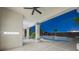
(28, 35)
(37, 31)
(77, 44)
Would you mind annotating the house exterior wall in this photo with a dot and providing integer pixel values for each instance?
(10, 21)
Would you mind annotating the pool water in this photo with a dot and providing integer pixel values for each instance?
(57, 38)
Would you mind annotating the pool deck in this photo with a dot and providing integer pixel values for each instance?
(47, 46)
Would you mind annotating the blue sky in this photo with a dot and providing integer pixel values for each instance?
(63, 23)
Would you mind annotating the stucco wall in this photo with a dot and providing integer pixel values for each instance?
(0, 26)
(10, 21)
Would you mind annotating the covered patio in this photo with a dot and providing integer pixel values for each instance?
(52, 30)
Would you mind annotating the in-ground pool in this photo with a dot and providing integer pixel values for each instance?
(57, 38)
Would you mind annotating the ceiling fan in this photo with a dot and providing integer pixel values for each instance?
(34, 9)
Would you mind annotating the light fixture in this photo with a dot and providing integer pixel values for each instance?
(11, 33)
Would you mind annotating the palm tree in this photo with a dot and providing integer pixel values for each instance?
(77, 20)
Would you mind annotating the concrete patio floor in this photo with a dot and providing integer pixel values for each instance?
(47, 46)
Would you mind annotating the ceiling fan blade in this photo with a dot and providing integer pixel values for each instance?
(33, 12)
(28, 8)
(38, 11)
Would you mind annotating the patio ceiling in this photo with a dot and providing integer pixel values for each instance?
(47, 12)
